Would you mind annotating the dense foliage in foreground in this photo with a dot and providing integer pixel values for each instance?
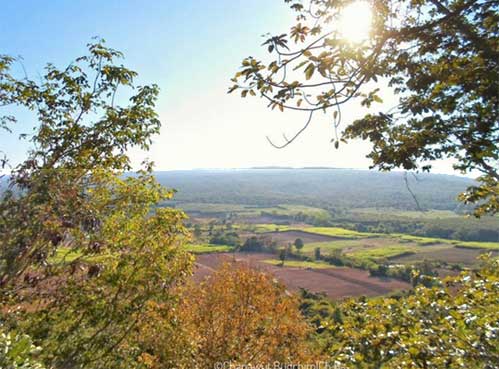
(452, 325)
(70, 193)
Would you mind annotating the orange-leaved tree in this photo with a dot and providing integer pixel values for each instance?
(244, 316)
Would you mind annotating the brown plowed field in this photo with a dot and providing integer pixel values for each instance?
(337, 283)
(451, 255)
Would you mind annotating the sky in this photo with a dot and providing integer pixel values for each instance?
(191, 49)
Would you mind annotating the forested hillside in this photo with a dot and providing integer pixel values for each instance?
(317, 187)
(425, 205)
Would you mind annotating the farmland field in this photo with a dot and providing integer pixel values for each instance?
(376, 246)
(349, 246)
(242, 210)
(429, 214)
(339, 261)
(337, 283)
(288, 236)
(207, 248)
(299, 264)
(457, 255)
(339, 232)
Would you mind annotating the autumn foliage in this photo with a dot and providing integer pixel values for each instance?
(243, 315)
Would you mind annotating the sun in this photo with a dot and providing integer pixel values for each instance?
(354, 23)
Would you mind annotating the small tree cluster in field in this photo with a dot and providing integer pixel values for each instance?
(259, 244)
(298, 244)
(317, 253)
(283, 253)
(198, 232)
(420, 273)
(225, 238)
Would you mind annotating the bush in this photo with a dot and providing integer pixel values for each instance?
(17, 351)
(244, 315)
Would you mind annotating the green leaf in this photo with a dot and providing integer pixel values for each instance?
(309, 71)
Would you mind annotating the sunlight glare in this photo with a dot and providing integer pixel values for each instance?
(355, 21)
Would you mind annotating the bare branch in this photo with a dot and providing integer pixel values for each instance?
(407, 185)
(287, 142)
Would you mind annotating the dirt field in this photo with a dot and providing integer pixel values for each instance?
(337, 283)
(451, 255)
(285, 237)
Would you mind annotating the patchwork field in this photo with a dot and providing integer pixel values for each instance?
(458, 255)
(337, 283)
(325, 231)
(354, 245)
(248, 211)
(395, 248)
(289, 236)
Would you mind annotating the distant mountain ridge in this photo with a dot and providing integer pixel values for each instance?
(321, 187)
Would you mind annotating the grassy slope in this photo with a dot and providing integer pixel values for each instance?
(248, 210)
(207, 248)
(328, 231)
(381, 253)
(429, 214)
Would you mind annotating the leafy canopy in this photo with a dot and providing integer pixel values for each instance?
(439, 57)
(71, 195)
(243, 315)
(454, 324)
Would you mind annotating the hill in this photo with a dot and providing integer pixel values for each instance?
(340, 188)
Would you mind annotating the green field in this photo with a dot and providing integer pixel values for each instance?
(327, 231)
(328, 247)
(385, 252)
(478, 245)
(338, 232)
(217, 208)
(364, 249)
(423, 241)
(428, 214)
(261, 228)
(248, 210)
(352, 244)
(206, 248)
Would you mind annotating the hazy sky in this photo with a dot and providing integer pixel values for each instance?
(190, 48)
